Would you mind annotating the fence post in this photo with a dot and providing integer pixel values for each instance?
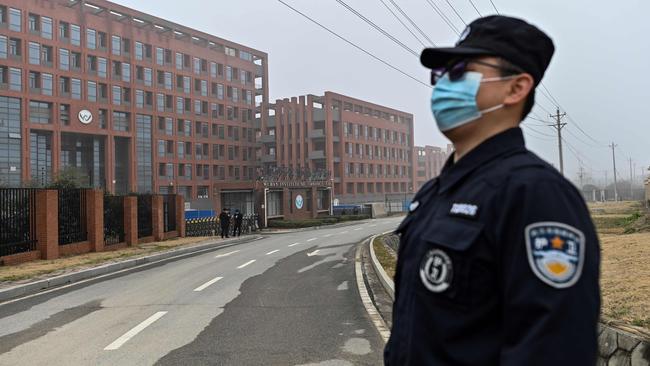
(131, 220)
(158, 225)
(95, 217)
(47, 223)
(180, 215)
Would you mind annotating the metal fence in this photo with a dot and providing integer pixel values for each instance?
(17, 220)
(113, 219)
(398, 202)
(344, 210)
(72, 216)
(169, 212)
(145, 227)
(210, 226)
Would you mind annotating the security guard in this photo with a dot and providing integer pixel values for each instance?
(498, 261)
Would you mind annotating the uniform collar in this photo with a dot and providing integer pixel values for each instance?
(505, 142)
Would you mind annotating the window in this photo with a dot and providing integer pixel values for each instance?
(143, 150)
(102, 40)
(103, 113)
(186, 84)
(46, 84)
(148, 76)
(15, 79)
(46, 27)
(33, 23)
(228, 73)
(204, 88)
(179, 61)
(116, 45)
(160, 56)
(121, 121)
(117, 95)
(75, 35)
(91, 39)
(139, 51)
(64, 114)
(46, 55)
(126, 72)
(34, 53)
(64, 85)
(139, 98)
(75, 87)
(3, 46)
(91, 91)
(213, 69)
(64, 31)
(40, 112)
(126, 46)
(102, 67)
(15, 20)
(64, 59)
(197, 65)
(15, 48)
(75, 61)
(230, 51)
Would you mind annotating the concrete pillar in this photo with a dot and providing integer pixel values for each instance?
(47, 223)
(158, 225)
(95, 219)
(131, 220)
(180, 216)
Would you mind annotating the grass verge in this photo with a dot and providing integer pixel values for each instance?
(385, 255)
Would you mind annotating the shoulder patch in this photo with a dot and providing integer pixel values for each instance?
(556, 252)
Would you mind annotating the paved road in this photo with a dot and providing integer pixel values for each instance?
(288, 299)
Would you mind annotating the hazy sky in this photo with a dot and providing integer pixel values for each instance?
(597, 72)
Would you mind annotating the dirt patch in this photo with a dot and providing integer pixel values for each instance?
(385, 255)
(30, 271)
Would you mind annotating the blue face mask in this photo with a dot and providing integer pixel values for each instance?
(453, 103)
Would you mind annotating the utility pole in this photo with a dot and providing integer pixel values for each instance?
(631, 190)
(613, 146)
(581, 175)
(558, 126)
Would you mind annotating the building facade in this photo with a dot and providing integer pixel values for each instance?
(430, 160)
(365, 149)
(128, 101)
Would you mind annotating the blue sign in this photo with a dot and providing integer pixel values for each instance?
(299, 202)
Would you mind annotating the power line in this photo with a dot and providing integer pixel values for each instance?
(454, 9)
(559, 126)
(444, 17)
(412, 23)
(355, 45)
(378, 28)
(494, 6)
(401, 22)
(474, 6)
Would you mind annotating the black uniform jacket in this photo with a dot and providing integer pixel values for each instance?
(498, 264)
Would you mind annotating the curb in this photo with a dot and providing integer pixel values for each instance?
(342, 224)
(385, 280)
(35, 287)
(371, 309)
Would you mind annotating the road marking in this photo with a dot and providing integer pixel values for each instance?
(373, 225)
(327, 236)
(133, 332)
(313, 253)
(312, 239)
(247, 263)
(344, 232)
(226, 254)
(359, 228)
(205, 285)
(293, 245)
(343, 286)
(273, 251)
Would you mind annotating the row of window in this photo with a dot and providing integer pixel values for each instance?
(202, 151)
(347, 106)
(376, 152)
(362, 170)
(71, 33)
(362, 188)
(206, 171)
(357, 130)
(184, 128)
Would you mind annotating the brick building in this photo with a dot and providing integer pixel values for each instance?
(133, 102)
(365, 148)
(430, 160)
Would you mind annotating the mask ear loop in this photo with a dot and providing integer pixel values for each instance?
(500, 78)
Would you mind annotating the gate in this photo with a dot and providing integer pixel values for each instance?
(72, 216)
(169, 212)
(145, 227)
(17, 220)
(113, 219)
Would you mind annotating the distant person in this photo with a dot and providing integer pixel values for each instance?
(224, 220)
(498, 261)
(239, 219)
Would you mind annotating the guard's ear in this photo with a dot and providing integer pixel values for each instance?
(520, 87)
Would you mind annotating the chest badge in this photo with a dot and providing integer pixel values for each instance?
(414, 206)
(556, 252)
(463, 209)
(436, 271)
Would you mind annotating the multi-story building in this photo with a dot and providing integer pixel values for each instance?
(430, 160)
(133, 102)
(366, 148)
